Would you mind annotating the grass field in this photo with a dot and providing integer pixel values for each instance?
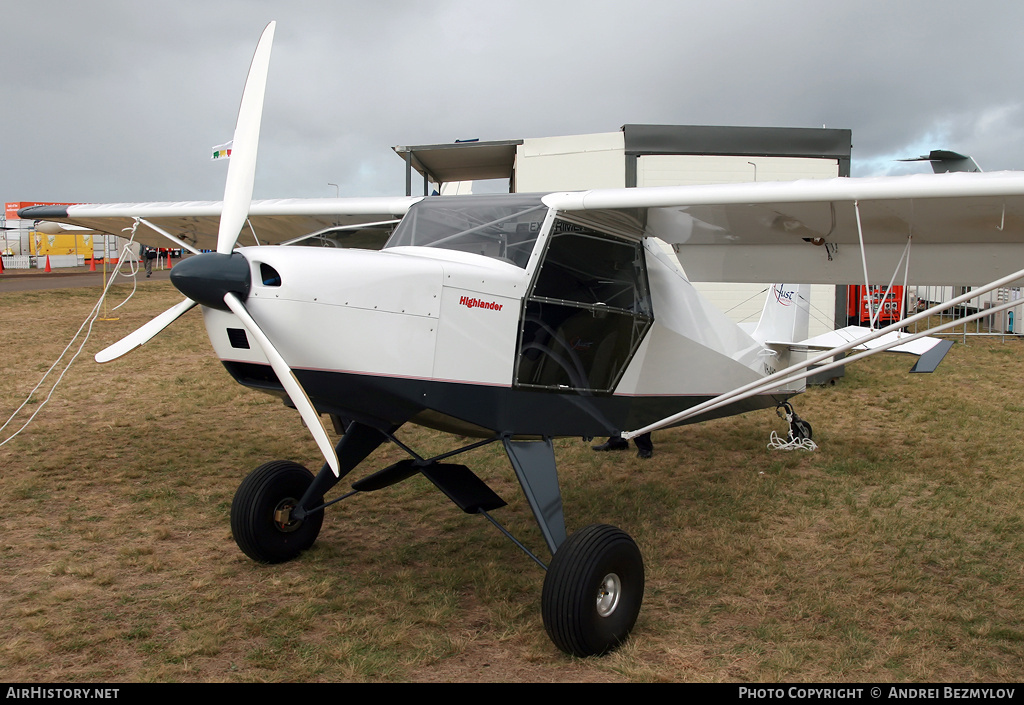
(895, 552)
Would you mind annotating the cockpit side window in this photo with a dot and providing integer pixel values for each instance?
(500, 227)
(586, 314)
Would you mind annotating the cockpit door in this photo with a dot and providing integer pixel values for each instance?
(587, 310)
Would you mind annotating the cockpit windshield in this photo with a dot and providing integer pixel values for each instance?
(503, 227)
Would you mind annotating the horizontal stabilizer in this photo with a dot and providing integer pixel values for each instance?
(835, 338)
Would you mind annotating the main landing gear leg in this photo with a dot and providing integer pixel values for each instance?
(269, 514)
(534, 463)
(595, 583)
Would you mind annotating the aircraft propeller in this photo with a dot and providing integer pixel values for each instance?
(143, 335)
(242, 165)
(221, 280)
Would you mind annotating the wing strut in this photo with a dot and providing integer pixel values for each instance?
(904, 261)
(800, 371)
(178, 241)
(340, 228)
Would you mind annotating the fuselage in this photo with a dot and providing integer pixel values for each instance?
(489, 316)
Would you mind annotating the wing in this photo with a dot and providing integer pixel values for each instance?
(196, 222)
(964, 228)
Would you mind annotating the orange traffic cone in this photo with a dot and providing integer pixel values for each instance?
(92, 264)
(47, 263)
(169, 264)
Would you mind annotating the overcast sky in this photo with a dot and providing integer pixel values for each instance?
(122, 101)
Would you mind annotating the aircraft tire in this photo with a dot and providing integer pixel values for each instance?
(272, 486)
(593, 591)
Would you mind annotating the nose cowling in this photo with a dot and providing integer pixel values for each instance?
(206, 278)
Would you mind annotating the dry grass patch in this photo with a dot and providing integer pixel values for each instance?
(894, 552)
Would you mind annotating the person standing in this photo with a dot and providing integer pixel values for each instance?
(644, 446)
(148, 256)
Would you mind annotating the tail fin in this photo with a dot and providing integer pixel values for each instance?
(786, 315)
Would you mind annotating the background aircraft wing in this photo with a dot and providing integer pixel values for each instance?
(196, 222)
(964, 228)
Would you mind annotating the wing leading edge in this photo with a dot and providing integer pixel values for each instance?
(964, 228)
(196, 222)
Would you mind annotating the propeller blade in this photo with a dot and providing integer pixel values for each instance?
(288, 381)
(143, 335)
(242, 165)
(235, 209)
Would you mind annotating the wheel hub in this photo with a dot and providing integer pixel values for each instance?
(608, 594)
(283, 516)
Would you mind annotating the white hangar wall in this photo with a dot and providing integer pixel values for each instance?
(574, 163)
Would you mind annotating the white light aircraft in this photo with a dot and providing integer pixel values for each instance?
(519, 318)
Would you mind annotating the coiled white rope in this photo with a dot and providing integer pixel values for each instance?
(87, 325)
(776, 443)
